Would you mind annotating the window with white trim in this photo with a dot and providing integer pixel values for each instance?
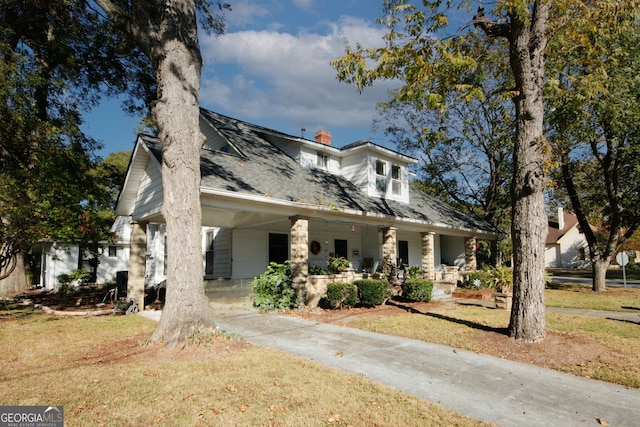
(322, 160)
(396, 182)
(381, 176)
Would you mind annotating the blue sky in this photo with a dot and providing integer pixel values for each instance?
(271, 67)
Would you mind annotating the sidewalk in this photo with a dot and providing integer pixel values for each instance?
(480, 386)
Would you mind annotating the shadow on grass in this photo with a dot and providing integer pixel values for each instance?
(467, 323)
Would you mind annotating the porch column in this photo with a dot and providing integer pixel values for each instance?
(470, 253)
(299, 254)
(137, 263)
(389, 254)
(428, 255)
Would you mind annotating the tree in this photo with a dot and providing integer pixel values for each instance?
(430, 69)
(594, 121)
(166, 31)
(52, 53)
(466, 148)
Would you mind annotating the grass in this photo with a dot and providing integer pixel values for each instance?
(67, 361)
(571, 295)
(459, 328)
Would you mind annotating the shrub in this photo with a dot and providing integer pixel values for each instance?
(335, 264)
(314, 270)
(414, 272)
(81, 277)
(476, 280)
(273, 290)
(501, 279)
(342, 295)
(372, 292)
(417, 289)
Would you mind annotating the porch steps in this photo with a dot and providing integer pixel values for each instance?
(437, 293)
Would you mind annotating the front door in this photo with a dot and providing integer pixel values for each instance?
(278, 247)
(341, 248)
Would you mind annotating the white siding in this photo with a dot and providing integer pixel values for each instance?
(356, 168)
(452, 251)
(250, 252)
(149, 196)
(222, 238)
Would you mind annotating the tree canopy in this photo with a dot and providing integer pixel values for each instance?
(593, 98)
(432, 68)
(57, 59)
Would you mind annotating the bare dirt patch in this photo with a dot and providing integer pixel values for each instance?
(137, 349)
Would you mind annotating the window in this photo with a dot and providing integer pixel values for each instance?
(396, 183)
(381, 176)
(115, 251)
(208, 254)
(322, 160)
(403, 252)
(582, 254)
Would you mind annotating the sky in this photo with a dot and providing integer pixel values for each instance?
(271, 68)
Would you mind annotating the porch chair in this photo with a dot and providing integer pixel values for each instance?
(367, 265)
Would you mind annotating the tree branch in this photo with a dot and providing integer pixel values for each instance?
(490, 28)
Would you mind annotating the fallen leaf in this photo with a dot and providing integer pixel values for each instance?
(151, 374)
(243, 408)
(231, 388)
(335, 418)
(602, 421)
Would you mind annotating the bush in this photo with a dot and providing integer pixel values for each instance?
(501, 279)
(476, 280)
(336, 264)
(273, 290)
(81, 277)
(417, 289)
(314, 270)
(372, 292)
(342, 295)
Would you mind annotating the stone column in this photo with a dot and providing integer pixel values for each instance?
(389, 254)
(300, 255)
(428, 255)
(137, 263)
(470, 253)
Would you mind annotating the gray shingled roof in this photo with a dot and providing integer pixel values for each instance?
(265, 170)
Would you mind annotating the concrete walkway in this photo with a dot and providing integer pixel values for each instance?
(480, 386)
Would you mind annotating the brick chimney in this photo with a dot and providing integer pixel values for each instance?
(323, 137)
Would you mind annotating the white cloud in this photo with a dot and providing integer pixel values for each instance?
(264, 75)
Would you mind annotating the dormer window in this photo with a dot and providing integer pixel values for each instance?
(396, 183)
(322, 160)
(381, 176)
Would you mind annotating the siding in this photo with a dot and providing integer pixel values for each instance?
(149, 196)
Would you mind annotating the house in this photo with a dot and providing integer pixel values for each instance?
(268, 196)
(53, 259)
(566, 246)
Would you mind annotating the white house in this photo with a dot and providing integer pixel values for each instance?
(262, 189)
(56, 258)
(566, 245)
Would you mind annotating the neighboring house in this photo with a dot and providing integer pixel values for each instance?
(566, 246)
(268, 196)
(55, 259)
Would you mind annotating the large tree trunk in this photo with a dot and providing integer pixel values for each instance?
(168, 36)
(178, 65)
(16, 282)
(529, 226)
(599, 268)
